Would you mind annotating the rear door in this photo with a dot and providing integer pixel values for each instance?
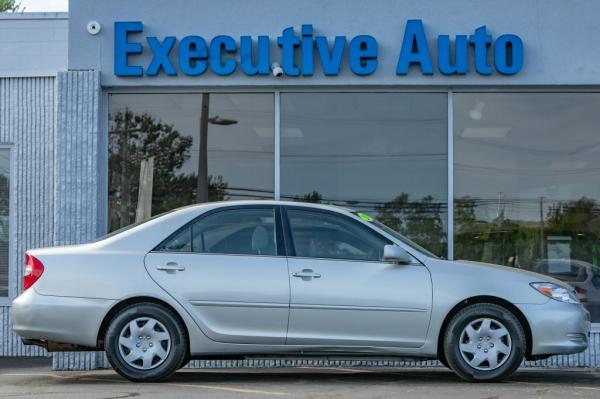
(343, 294)
(227, 268)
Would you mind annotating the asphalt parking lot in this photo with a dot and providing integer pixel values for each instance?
(22, 379)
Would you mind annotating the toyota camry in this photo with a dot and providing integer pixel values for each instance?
(269, 278)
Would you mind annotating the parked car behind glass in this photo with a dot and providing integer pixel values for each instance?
(583, 276)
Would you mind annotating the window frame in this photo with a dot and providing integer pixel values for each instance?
(289, 240)
(12, 269)
(279, 247)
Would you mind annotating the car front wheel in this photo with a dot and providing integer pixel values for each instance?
(146, 343)
(484, 342)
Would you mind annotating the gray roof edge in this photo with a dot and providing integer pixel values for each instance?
(33, 15)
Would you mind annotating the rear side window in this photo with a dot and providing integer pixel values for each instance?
(235, 231)
(325, 235)
(180, 242)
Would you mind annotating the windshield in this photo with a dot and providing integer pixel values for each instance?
(397, 235)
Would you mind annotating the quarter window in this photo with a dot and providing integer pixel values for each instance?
(323, 235)
(180, 242)
(239, 231)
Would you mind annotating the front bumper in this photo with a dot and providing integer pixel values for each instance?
(557, 328)
(58, 319)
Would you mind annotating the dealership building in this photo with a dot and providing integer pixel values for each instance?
(472, 127)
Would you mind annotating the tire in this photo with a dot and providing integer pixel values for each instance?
(146, 342)
(185, 361)
(487, 332)
(442, 359)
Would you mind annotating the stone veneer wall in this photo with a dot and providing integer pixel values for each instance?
(28, 128)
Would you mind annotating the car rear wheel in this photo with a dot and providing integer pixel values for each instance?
(484, 342)
(146, 343)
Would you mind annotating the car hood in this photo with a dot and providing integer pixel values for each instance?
(533, 276)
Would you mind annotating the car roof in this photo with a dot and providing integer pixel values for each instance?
(219, 204)
(126, 239)
(148, 234)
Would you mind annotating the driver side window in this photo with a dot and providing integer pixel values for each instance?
(326, 235)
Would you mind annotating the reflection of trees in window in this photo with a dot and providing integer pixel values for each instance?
(485, 241)
(421, 221)
(137, 138)
(579, 219)
(314, 197)
(517, 242)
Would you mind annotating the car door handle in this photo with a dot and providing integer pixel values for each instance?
(171, 267)
(306, 274)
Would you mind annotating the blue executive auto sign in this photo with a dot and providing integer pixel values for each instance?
(223, 55)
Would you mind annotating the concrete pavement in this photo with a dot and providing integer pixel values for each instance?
(22, 378)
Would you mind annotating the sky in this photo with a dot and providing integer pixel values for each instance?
(45, 5)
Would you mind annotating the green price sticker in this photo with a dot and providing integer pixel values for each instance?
(365, 217)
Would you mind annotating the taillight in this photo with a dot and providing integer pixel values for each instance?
(33, 271)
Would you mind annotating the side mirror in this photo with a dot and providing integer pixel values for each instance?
(396, 254)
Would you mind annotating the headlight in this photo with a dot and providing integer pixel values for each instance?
(556, 291)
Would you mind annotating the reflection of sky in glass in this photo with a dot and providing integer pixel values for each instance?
(512, 149)
(366, 147)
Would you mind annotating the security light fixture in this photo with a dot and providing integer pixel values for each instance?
(93, 27)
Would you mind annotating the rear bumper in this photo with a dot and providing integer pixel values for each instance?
(55, 319)
(557, 328)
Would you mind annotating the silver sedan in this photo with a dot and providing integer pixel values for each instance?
(267, 278)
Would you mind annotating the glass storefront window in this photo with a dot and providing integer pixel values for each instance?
(526, 186)
(171, 150)
(4, 219)
(384, 154)
(525, 165)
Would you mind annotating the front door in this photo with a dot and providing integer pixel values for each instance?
(342, 294)
(228, 272)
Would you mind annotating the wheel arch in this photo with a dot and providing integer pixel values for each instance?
(485, 299)
(132, 301)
